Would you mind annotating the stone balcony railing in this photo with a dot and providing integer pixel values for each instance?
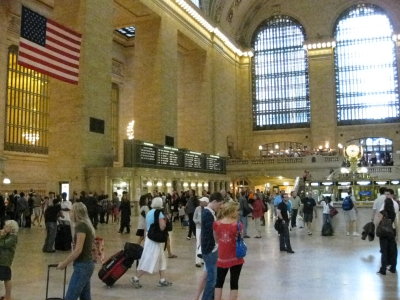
(319, 166)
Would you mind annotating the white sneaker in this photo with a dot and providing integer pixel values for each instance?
(164, 283)
(356, 234)
(135, 282)
(347, 233)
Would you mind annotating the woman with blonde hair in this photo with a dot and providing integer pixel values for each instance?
(226, 231)
(84, 233)
(8, 243)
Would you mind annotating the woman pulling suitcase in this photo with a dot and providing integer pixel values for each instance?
(81, 256)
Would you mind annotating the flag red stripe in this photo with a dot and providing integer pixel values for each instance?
(48, 64)
(48, 73)
(62, 36)
(45, 54)
(62, 53)
(58, 42)
(64, 28)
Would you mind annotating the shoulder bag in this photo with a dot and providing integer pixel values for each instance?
(241, 247)
(155, 233)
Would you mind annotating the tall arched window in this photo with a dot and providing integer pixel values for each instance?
(27, 110)
(366, 67)
(280, 75)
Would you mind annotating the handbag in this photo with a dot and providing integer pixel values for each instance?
(278, 225)
(98, 250)
(332, 211)
(385, 228)
(241, 247)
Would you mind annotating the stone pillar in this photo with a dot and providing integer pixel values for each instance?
(323, 101)
(72, 146)
(155, 95)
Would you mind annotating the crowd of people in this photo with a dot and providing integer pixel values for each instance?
(215, 220)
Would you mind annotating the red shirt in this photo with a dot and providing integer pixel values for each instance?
(258, 209)
(227, 234)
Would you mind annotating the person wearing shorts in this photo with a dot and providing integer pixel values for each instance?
(309, 209)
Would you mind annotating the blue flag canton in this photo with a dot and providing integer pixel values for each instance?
(33, 26)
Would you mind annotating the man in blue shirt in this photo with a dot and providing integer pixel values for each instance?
(209, 248)
(277, 200)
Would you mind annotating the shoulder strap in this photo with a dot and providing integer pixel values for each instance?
(156, 218)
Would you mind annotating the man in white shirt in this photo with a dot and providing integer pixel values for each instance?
(378, 202)
(390, 194)
(66, 206)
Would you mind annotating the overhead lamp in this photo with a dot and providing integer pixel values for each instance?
(192, 185)
(344, 170)
(362, 170)
(159, 183)
(205, 184)
(199, 184)
(6, 180)
(185, 184)
(169, 184)
(149, 183)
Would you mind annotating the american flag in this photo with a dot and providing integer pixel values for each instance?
(48, 47)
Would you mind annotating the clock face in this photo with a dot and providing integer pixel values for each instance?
(352, 151)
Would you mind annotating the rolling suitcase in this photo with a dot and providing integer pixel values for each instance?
(63, 238)
(119, 263)
(47, 283)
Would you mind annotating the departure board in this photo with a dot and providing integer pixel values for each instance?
(138, 153)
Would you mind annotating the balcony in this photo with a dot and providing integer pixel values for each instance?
(320, 167)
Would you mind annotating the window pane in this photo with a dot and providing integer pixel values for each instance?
(366, 73)
(280, 76)
(196, 2)
(26, 108)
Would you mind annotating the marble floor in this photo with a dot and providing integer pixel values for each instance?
(337, 267)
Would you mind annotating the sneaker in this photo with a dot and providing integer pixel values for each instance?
(135, 282)
(188, 238)
(198, 265)
(309, 233)
(164, 283)
(356, 234)
(246, 236)
(347, 233)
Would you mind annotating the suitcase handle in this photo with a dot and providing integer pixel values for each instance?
(48, 277)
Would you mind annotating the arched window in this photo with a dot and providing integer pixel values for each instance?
(280, 75)
(26, 108)
(366, 67)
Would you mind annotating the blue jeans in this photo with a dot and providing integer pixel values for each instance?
(244, 222)
(210, 261)
(326, 218)
(51, 228)
(79, 284)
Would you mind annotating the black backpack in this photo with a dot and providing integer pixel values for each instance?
(385, 227)
(155, 233)
(327, 229)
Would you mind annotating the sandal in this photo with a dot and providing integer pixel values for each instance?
(170, 256)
